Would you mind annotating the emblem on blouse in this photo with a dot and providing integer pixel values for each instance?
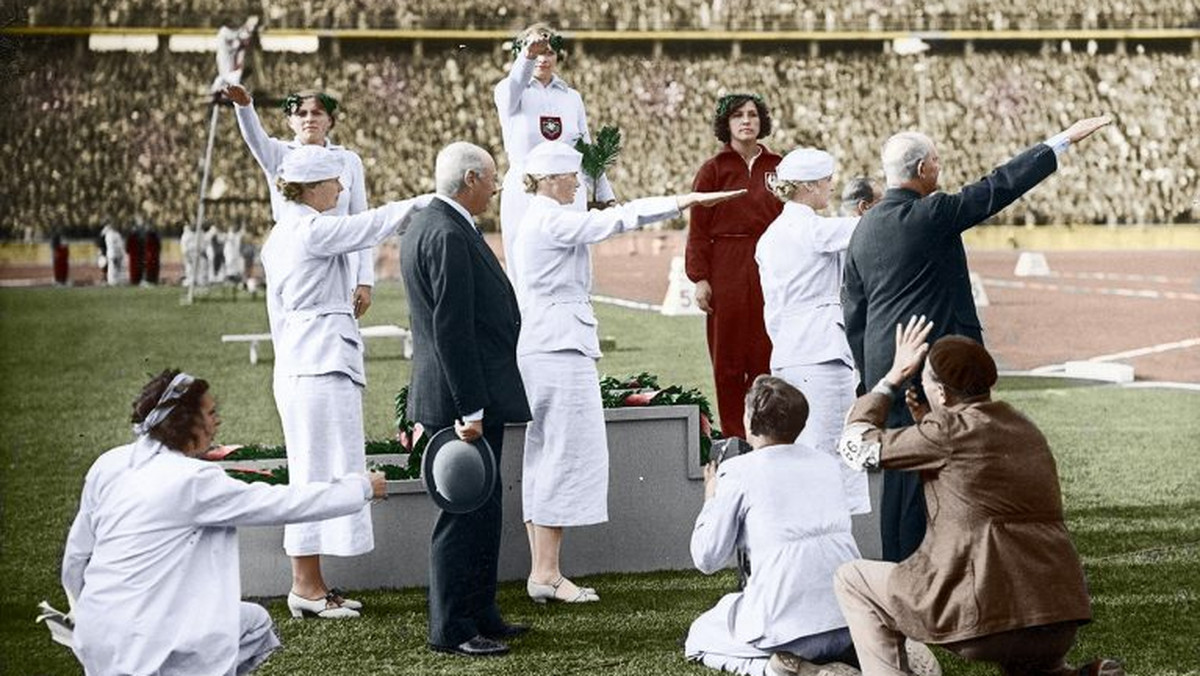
(551, 127)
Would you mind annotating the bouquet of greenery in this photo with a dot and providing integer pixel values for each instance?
(644, 390)
(599, 156)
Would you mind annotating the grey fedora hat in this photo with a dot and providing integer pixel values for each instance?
(460, 476)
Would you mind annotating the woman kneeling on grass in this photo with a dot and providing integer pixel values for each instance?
(153, 554)
(784, 504)
(996, 578)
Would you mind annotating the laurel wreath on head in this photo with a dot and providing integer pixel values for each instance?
(556, 43)
(292, 103)
(726, 102)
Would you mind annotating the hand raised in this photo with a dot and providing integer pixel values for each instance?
(1084, 128)
(910, 349)
(237, 94)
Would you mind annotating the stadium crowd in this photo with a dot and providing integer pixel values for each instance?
(638, 15)
(118, 138)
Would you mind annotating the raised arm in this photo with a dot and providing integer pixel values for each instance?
(212, 498)
(988, 196)
(332, 235)
(508, 91)
(267, 151)
(715, 535)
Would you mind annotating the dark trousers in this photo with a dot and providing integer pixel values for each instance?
(463, 559)
(901, 514)
(1033, 651)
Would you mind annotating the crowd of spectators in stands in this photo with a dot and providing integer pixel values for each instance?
(119, 137)
(632, 15)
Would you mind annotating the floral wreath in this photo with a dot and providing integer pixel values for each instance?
(557, 43)
(726, 102)
(292, 103)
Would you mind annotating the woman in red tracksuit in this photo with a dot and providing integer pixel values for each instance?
(720, 252)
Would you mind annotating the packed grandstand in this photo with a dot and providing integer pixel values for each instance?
(118, 137)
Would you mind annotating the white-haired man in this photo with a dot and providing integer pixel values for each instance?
(465, 324)
(906, 258)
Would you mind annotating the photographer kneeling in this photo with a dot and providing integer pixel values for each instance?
(996, 578)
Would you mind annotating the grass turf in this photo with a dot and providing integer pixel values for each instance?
(73, 359)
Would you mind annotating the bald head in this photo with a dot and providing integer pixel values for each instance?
(901, 155)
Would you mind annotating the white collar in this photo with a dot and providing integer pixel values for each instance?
(296, 143)
(555, 82)
(458, 207)
(799, 210)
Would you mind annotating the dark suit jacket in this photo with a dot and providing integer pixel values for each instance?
(464, 320)
(906, 257)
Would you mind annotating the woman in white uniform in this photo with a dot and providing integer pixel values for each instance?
(311, 115)
(535, 106)
(565, 468)
(800, 266)
(782, 503)
(152, 557)
(319, 373)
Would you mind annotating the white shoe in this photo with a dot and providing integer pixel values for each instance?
(921, 661)
(344, 602)
(324, 608)
(541, 593)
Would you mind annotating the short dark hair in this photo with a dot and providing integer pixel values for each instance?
(778, 411)
(729, 103)
(176, 430)
(858, 189)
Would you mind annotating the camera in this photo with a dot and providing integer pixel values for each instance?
(727, 448)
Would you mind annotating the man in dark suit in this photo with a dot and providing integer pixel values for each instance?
(465, 323)
(906, 258)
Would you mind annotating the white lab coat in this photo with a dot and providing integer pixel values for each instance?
(319, 369)
(800, 266)
(784, 505)
(152, 557)
(269, 152)
(526, 108)
(565, 465)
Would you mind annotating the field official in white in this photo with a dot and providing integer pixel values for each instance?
(565, 467)
(800, 266)
(152, 556)
(319, 373)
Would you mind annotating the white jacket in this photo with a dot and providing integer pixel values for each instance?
(553, 267)
(152, 557)
(800, 267)
(269, 153)
(312, 324)
(784, 505)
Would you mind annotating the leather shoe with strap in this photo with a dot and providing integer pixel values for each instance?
(505, 631)
(478, 646)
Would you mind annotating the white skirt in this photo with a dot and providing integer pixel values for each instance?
(323, 430)
(564, 473)
(829, 389)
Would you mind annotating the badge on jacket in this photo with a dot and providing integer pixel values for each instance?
(551, 127)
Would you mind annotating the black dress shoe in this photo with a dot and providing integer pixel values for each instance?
(478, 646)
(506, 631)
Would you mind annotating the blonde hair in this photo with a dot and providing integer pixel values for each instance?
(785, 191)
(292, 191)
(531, 182)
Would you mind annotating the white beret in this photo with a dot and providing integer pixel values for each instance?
(309, 164)
(805, 164)
(552, 157)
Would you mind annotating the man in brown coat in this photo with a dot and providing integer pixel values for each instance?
(996, 578)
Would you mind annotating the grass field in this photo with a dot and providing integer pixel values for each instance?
(72, 360)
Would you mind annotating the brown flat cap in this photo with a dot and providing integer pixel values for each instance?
(962, 365)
